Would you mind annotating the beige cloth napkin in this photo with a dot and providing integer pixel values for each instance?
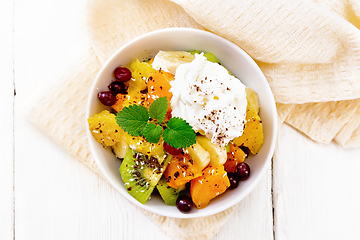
(308, 50)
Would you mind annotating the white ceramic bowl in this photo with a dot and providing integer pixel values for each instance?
(235, 60)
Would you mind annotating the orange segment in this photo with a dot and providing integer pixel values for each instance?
(134, 97)
(159, 86)
(181, 170)
(234, 157)
(213, 182)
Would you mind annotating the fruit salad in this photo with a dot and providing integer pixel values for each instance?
(182, 125)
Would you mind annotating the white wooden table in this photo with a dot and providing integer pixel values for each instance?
(312, 190)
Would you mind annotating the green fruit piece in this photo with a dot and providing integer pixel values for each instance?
(211, 57)
(167, 193)
(140, 174)
(194, 51)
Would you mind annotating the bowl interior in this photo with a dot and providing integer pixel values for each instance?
(235, 60)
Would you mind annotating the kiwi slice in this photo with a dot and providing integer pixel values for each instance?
(167, 193)
(209, 56)
(140, 174)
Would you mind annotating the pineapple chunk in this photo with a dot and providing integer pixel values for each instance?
(199, 155)
(120, 148)
(253, 99)
(217, 153)
(253, 135)
(104, 128)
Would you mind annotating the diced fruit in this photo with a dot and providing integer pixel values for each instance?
(170, 60)
(213, 182)
(199, 155)
(136, 84)
(134, 97)
(234, 157)
(136, 87)
(234, 180)
(184, 203)
(117, 87)
(253, 136)
(141, 173)
(140, 71)
(243, 171)
(159, 86)
(171, 150)
(181, 170)
(139, 144)
(122, 73)
(167, 193)
(120, 148)
(253, 99)
(107, 98)
(104, 128)
(217, 153)
(211, 57)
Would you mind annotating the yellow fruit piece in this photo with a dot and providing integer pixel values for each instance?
(253, 136)
(104, 128)
(199, 155)
(140, 72)
(253, 99)
(134, 97)
(139, 144)
(217, 154)
(120, 148)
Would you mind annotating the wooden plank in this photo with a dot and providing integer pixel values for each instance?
(252, 218)
(316, 189)
(57, 197)
(6, 120)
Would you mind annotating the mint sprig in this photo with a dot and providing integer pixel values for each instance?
(158, 109)
(179, 133)
(133, 119)
(136, 120)
(152, 132)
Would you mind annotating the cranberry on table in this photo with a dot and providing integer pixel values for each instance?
(171, 150)
(117, 87)
(184, 203)
(107, 98)
(234, 180)
(243, 171)
(122, 74)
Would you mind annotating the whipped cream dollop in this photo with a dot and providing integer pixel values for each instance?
(211, 100)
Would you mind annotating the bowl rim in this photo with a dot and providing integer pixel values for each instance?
(273, 127)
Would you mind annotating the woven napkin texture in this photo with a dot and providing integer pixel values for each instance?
(308, 51)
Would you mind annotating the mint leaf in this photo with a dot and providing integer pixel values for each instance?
(158, 109)
(133, 119)
(179, 133)
(152, 132)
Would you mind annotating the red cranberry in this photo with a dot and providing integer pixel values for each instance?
(107, 98)
(117, 87)
(234, 180)
(243, 171)
(122, 74)
(171, 150)
(184, 203)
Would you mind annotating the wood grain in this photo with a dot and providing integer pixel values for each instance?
(313, 188)
(316, 189)
(6, 120)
